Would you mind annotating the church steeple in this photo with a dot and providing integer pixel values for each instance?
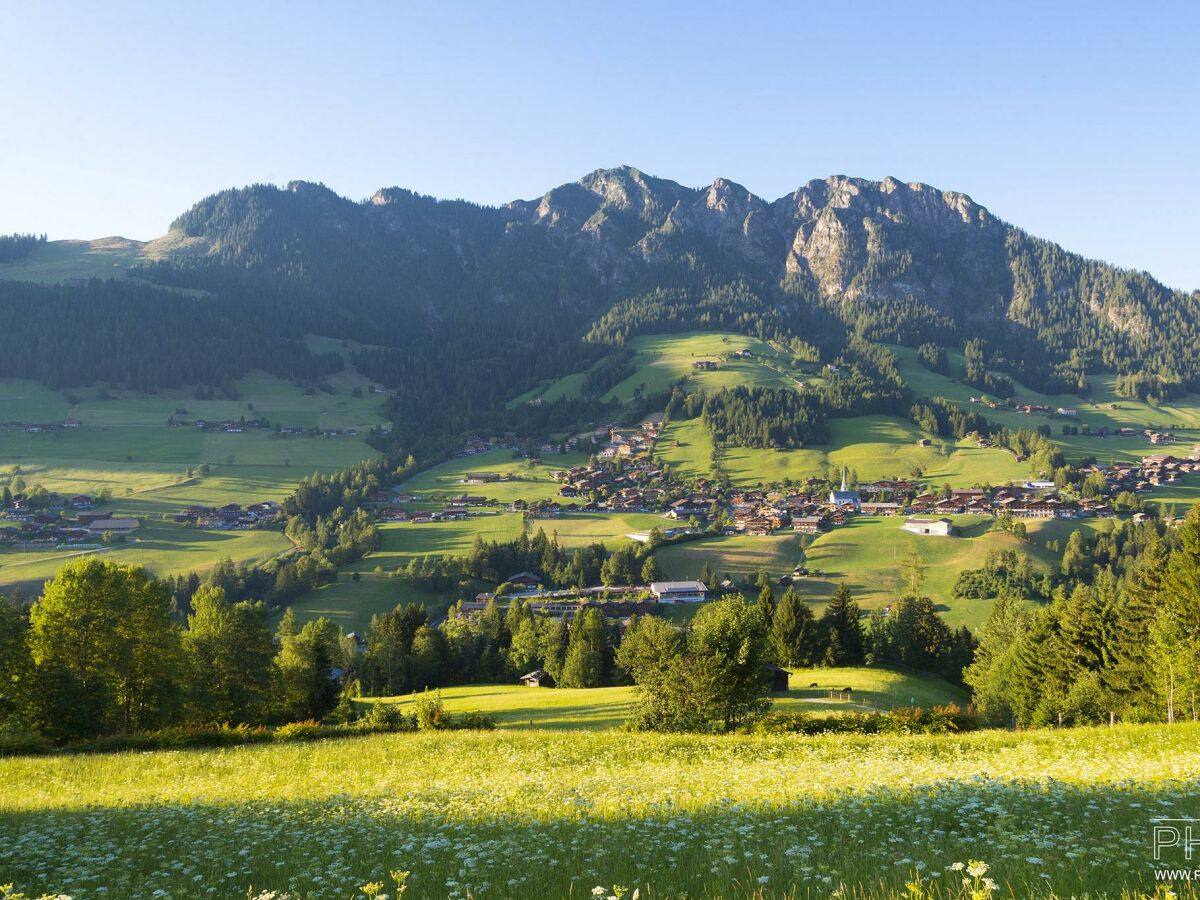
(844, 488)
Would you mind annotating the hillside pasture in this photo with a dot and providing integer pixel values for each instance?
(873, 447)
(1102, 407)
(523, 479)
(867, 553)
(515, 706)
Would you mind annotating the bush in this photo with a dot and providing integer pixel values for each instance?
(300, 731)
(430, 711)
(903, 720)
(24, 745)
(471, 721)
(386, 717)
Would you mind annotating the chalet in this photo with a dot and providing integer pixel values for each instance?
(82, 501)
(917, 525)
(537, 678)
(879, 509)
(1066, 411)
(525, 579)
(481, 478)
(679, 591)
(704, 365)
(807, 524)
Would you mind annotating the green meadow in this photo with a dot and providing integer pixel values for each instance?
(560, 812)
(523, 479)
(866, 555)
(661, 360)
(515, 706)
(125, 447)
(1101, 408)
(352, 602)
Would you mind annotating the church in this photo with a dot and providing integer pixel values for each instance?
(845, 497)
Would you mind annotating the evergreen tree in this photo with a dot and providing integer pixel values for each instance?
(584, 665)
(793, 631)
(555, 640)
(766, 604)
(843, 629)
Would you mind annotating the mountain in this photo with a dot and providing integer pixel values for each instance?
(538, 287)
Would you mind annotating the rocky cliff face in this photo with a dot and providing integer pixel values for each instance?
(847, 243)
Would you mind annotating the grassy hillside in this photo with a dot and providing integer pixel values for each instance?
(866, 555)
(545, 815)
(587, 709)
(1101, 408)
(662, 359)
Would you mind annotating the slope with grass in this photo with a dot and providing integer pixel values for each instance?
(660, 360)
(588, 709)
(540, 814)
(1102, 407)
(867, 554)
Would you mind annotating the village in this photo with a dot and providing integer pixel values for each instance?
(624, 477)
(50, 520)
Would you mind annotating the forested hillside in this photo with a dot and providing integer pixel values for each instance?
(465, 306)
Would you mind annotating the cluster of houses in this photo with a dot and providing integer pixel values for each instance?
(238, 426)
(1153, 435)
(52, 525)
(624, 443)
(230, 517)
(614, 601)
(37, 427)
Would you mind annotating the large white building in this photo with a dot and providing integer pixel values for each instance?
(679, 591)
(917, 525)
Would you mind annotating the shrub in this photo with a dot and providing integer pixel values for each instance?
(23, 744)
(430, 711)
(472, 721)
(386, 717)
(300, 731)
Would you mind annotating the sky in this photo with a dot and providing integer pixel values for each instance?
(1079, 122)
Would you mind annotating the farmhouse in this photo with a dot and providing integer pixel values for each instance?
(679, 591)
(918, 525)
(879, 509)
(807, 524)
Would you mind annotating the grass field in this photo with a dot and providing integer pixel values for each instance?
(525, 480)
(540, 814)
(661, 360)
(873, 446)
(742, 556)
(576, 709)
(866, 555)
(352, 603)
(1101, 407)
(124, 446)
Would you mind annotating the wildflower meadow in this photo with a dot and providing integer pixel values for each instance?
(581, 814)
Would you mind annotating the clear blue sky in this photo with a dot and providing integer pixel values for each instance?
(1077, 121)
